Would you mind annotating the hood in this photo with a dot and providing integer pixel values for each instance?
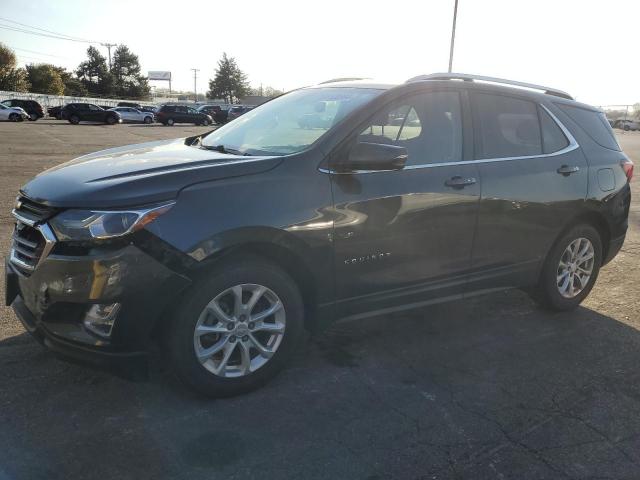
(137, 175)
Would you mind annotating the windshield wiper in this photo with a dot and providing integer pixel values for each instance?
(223, 149)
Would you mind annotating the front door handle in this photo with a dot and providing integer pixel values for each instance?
(567, 170)
(459, 182)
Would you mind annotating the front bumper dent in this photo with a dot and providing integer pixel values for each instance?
(53, 300)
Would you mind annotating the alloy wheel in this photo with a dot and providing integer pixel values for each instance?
(575, 267)
(240, 330)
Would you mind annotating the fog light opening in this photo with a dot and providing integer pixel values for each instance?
(100, 318)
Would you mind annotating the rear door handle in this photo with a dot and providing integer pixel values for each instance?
(460, 182)
(567, 170)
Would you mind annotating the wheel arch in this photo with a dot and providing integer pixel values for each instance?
(290, 261)
(593, 218)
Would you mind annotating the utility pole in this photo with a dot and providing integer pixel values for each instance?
(453, 34)
(109, 45)
(195, 88)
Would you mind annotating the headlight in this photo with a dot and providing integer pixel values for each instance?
(98, 224)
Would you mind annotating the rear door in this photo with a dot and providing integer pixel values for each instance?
(534, 179)
(404, 237)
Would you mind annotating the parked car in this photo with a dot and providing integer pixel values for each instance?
(88, 112)
(236, 111)
(172, 114)
(627, 125)
(224, 247)
(34, 109)
(222, 116)
(12, 114)
(55, 112)
(148, 108)
(129, 104)
(133, 115)
(214, 111)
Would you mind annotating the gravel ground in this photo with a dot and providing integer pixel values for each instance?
(490, 388)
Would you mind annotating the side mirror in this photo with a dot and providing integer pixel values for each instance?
(375, 156)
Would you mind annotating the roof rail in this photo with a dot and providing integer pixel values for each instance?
(342, 79)
(470, 78)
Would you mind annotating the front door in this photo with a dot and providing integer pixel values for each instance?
(404, 237)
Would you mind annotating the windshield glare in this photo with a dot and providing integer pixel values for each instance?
(290, 123)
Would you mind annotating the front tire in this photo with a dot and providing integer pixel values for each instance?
(74, 119)
(236, 329)
(170, 122)
(148, 120)
(14, 117)
(570, 270)
(33, 117)
(111, 120)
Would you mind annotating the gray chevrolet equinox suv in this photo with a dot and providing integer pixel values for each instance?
(342, 200)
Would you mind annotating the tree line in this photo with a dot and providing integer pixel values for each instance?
(92, 78)
(121, 78)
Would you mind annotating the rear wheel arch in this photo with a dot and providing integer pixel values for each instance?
(591, 218)
(597, 221)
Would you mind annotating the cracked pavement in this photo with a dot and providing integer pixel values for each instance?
(491, 388)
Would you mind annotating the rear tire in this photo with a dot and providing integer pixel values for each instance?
(170, 122)
(564, 282)
(14, 117)
(111, 120)
(245, 367)
(205, 123)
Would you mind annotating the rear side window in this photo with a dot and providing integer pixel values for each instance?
(506, 126)
(594, 124)
(553, 140)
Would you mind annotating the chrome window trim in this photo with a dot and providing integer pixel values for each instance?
(573, 144)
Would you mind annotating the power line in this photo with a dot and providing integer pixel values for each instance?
(38, 53)
(71, 37)
(21, 30)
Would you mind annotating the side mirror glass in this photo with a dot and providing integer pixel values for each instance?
(376, 157)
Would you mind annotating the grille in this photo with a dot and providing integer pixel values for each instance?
(32, 239)
(26, 250)
(32, 211)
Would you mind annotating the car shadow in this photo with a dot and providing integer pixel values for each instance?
(491, 387)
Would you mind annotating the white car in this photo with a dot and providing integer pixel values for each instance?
(12, 114)
(133, 115)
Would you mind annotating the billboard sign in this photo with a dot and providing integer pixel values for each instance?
(156, 75)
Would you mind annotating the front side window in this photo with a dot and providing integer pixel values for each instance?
(506, 126)
(428, 125)
(290, 123)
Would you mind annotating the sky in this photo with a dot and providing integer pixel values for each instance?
(581, 46)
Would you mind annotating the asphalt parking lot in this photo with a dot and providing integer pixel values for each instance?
(489, 388)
